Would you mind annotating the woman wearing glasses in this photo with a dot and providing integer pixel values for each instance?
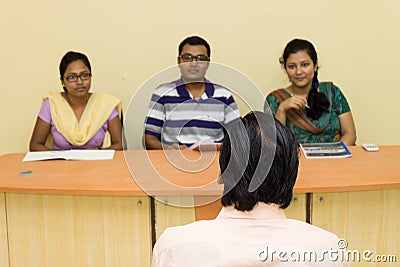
(76, 118)
(316, 112)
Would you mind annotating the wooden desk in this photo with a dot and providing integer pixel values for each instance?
(92, 213)
(363, 171)
(72, 213)
(108, 177)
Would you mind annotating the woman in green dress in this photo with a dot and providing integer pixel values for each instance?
(316, 112)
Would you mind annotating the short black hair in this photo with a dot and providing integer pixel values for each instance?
(194, 40)
(271, 158)
(70, 57)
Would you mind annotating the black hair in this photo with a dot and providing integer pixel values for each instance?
(194, 40)
(272, 149)
(317, 101)
(70, 57)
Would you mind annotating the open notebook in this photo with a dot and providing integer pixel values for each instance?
(73, 154)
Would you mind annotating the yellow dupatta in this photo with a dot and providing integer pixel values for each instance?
(96, 113)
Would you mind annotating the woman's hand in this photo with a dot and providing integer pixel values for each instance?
(297, 102)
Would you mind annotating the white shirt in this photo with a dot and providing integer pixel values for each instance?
(261, 237)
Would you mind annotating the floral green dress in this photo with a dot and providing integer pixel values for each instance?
(338, 106)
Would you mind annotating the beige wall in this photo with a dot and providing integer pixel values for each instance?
(130, 41)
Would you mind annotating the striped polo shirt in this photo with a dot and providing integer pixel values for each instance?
(176, 117)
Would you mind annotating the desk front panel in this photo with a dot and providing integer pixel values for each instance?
(168, 213)
(367, 220)
(66, 230)
(3, 232)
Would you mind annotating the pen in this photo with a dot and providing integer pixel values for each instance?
(291, 95)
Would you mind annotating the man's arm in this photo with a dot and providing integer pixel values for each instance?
(231, 110)
(152, 142)
(154, 123)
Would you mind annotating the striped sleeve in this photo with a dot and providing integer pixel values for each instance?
(155, 117)
(231, 112)
(231, 109)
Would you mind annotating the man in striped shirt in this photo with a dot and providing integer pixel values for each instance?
(191, 109)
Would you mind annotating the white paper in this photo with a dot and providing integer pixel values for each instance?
(205, 145)
(73, 154)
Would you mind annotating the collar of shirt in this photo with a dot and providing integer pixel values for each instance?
(182, 91)
(261, 211)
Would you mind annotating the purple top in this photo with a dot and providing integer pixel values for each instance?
(60, 143)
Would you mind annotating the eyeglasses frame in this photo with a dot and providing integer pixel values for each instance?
(193, 57)
(79, 77)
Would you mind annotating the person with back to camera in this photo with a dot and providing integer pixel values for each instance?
(191, 109)
(76, 118)
(316, 112)
(259, 165)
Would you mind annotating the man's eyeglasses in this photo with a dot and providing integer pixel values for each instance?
(73, 77)
(190, 58)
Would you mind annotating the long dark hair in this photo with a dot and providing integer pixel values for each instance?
(317, 101)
